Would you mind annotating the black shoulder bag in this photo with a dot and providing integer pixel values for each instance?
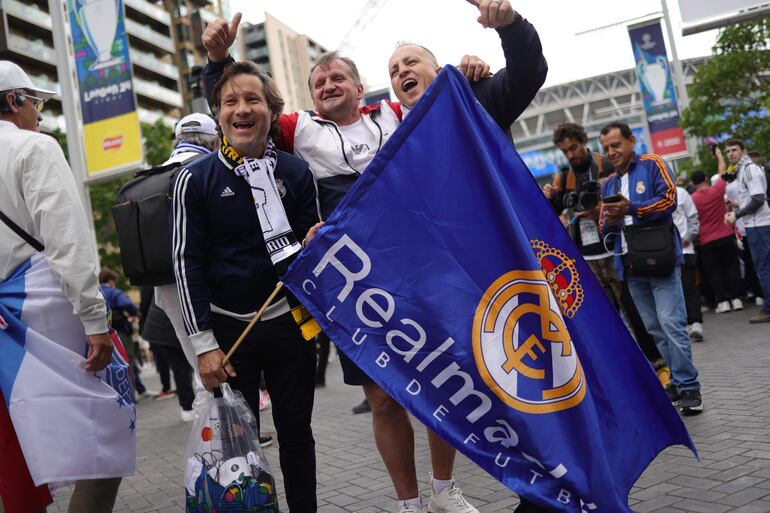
(651, 249)
(21, 233)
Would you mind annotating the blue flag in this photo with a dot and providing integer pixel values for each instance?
(445, 275)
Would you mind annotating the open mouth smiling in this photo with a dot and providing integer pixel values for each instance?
(408, 84)
(243, 125)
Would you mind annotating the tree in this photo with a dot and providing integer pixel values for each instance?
(158, 139)
(730, 96)
(157, 143)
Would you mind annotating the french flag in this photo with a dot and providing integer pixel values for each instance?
(69, 424)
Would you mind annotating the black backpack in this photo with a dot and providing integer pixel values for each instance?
(141, 215)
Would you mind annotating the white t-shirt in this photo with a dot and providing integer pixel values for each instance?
(361, 144)
(627, 220)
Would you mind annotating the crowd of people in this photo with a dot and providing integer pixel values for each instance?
(717, 226)
(255, 171)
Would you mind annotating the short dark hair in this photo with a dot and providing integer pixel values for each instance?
(698, 177)
(569, 131)
(625, 130)
(755, 154)
(272, 94)
(107, 274)
(326, 59)
(736, 142)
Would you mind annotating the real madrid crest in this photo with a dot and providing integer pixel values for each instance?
(640, 188)
(521, 344)
(281, 187)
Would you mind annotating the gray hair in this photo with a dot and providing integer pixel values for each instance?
(327, 58)
(206, 140)
(430, 55)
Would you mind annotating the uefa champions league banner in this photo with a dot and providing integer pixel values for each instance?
(110, 120)
(445, 275)
(657, 87)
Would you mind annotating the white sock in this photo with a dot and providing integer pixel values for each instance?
(415, 502)
(439, 485)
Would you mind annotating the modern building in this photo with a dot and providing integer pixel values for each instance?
(591, 102)
(188, 20)
(286, 54)
(26, 38)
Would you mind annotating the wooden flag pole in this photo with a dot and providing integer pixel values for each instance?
(253, 322)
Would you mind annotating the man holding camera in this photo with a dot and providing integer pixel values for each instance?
(639, 200)
(576, 192)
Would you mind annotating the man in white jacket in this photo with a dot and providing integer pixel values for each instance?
(39, 200)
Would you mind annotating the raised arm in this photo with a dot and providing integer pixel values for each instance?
(508, 92)
(217, 38)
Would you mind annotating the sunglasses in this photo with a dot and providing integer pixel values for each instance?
(38, 103)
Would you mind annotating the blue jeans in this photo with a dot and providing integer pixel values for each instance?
(759, 244)
(660, 302)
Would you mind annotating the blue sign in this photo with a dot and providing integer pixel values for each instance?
(657, 88)
(102, 62)
(445, 275)
(111, 133)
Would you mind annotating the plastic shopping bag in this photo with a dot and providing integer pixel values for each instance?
(225, 468)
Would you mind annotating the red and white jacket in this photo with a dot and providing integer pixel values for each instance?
(322, 144)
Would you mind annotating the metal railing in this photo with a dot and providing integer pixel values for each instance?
(157, 92)
(149, 35)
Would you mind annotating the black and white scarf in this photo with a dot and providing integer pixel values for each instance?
(281, 242)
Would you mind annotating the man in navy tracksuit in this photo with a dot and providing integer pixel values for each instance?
(341, 138)
(647, 193)
(224, 270)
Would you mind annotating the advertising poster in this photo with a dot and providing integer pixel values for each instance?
(111, 135)
(657, 87)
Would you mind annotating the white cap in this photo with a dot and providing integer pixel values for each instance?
(196, 123)
(13, 77)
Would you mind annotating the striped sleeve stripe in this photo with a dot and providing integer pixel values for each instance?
(671, 193)
(179, 245)
(670, 197)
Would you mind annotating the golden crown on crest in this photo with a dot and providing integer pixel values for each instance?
(562, 276)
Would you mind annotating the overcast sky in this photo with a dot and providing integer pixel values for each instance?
(449, 29)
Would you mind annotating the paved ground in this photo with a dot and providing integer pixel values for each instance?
(732, 436)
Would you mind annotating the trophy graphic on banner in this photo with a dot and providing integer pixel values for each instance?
(655, 78)
(98, 20)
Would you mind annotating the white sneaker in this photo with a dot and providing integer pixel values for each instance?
(737, 304)
(405, 508)
(451, 500)
(723, 307)
(188, 415)
(695, 331)
(759, 301)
